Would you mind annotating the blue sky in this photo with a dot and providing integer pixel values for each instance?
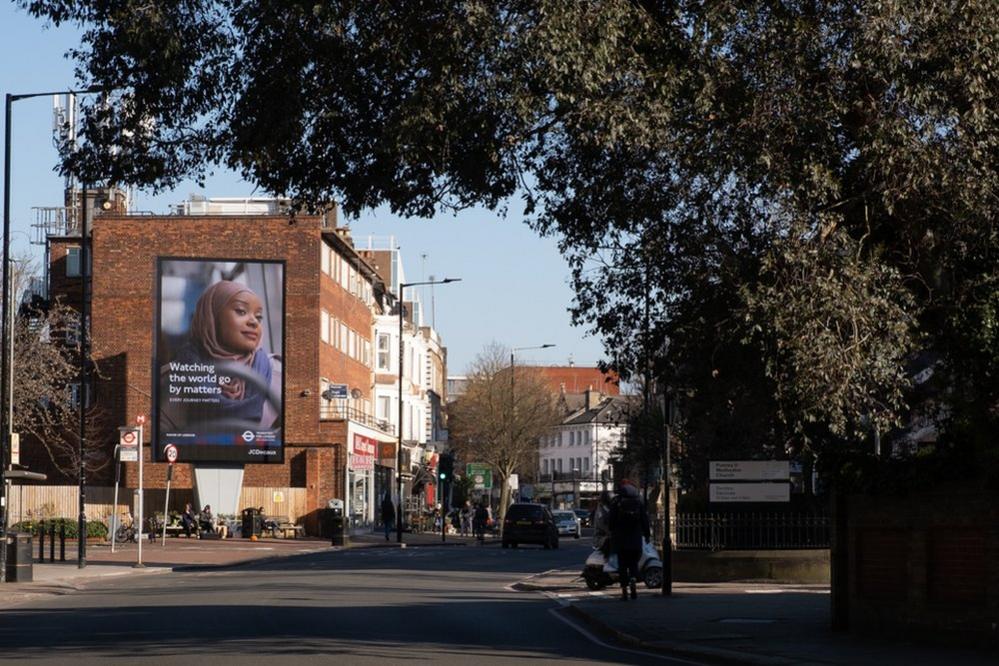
(515, 288)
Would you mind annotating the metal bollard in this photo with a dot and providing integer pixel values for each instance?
(51, 542)
(41, 542)
(62, 542)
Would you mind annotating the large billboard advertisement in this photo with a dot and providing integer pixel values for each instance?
(219, 347)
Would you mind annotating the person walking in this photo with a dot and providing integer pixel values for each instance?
(601, 527)
(480, 520)
(629, 523)
(388, 515)
(467, 514)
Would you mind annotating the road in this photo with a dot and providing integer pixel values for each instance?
(384, 605)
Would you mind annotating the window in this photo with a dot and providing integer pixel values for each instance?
(367, 353)
(324, 330)
(559, 465)
(343, 337)
(586, 464)
(384, 345)
(384, 407)
(546, 466)
(72, 262)
(325, 258)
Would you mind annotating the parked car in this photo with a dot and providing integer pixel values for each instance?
(529, 523)
(585, 517)
(567, 523)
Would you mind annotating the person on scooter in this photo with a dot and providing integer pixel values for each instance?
(601, 528)
(629, 523)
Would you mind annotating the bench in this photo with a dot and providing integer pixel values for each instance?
(282, 525)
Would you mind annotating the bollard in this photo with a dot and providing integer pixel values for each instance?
(41, 542)
(62, 542)
(51, 542)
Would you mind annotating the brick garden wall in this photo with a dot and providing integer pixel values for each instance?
(924, 567)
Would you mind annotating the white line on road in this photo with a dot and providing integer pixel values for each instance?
(593, 639)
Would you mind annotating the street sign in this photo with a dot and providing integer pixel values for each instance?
(750, 492)
(171, 453)
(140, 419)
(128, 442)
(514, 481)
(336, 392)
(749, 470)
(481, 475)
(15, 448)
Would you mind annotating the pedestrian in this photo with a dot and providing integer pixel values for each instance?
(388, 515)
(467, 514)
(629, 523)
(479, 522)
(601, 528)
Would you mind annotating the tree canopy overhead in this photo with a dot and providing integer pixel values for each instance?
(794, 194)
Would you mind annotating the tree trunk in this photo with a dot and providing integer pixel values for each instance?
(504, 500)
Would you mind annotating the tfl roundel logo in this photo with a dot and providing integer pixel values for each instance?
(248, 436)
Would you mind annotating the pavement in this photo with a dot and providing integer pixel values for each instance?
(188, 554)
(734, 623)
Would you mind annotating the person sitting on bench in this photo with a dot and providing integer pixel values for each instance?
(189, 520)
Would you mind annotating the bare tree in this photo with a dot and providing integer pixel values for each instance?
(46, 339)
(498, 421)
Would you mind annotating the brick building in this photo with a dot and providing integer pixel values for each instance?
(334, 446)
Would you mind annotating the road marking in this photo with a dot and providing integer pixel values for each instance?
(593, 639)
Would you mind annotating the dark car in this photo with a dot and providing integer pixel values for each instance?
(585, 517)
(529, 523)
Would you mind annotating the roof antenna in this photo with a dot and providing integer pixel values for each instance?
(572, 363)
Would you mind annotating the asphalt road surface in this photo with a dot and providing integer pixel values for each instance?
(447, 605)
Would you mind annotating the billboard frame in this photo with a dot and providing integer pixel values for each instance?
(157, 453)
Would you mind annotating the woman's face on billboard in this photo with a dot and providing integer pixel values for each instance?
(241, 323)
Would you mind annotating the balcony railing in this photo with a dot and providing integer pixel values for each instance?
(336, 412)
(567, 476)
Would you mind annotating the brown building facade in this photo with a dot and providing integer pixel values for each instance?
(331, 296)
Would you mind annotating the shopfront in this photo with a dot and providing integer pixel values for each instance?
(361, 482)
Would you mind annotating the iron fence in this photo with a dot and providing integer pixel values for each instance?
(751, 531)
(332, 412)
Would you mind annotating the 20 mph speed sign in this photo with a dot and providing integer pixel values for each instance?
(171, 453)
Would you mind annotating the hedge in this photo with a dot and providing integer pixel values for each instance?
(95, 528)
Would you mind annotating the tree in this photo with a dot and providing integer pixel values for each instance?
(500, 422)
(770, 174)
(46, 371)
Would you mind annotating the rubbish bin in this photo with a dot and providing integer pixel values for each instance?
(19, 562)
(336, 524)
(253, 523)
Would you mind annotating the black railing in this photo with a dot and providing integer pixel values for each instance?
(567, 476)
(751, 531)
(331, 412)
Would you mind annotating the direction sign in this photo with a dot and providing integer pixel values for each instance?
(128, 442)
(481, 475)
(171, 453)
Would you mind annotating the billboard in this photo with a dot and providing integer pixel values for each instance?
(218, 395)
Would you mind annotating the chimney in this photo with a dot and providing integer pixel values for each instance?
(592, 398)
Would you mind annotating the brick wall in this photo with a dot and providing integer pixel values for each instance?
(923, 566)
(125, 250)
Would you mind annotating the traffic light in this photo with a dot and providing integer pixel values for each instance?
(445, 467)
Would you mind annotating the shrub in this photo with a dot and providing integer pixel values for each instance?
(95, 528)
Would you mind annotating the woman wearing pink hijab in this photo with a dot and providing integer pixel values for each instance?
(227, 330)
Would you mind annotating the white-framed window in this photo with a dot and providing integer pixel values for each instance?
(384, 350)
(559, 465)
(324, 327)
(586, 464)
(545, 468)
(344, 274)
(324, 258)
(384, 407)
(367, 353)
(343, 337)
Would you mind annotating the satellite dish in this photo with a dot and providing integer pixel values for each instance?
(355, 393)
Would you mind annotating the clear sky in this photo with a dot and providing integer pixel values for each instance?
(514, 288)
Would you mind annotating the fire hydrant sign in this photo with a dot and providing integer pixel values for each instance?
(128, 440)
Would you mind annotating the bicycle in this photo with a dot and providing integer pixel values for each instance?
(126, 530)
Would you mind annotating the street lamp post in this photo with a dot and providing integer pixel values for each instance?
(667, 588)
(7, 333)
(513, 404)
(402, 349)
